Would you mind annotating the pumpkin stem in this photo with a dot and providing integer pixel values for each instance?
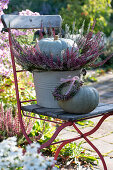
(56, 37)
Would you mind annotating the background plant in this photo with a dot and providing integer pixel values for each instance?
(11, 157)
(89, 10)
(7, 92)
(71, 10)
(10, 125)
(7, 89)
(109, 49)
(75, 156)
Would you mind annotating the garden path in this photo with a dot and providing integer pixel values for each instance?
(103, 138)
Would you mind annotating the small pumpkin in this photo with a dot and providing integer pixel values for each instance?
(55, 46)
(84, 101)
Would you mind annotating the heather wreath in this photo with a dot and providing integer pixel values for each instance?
(76, 83)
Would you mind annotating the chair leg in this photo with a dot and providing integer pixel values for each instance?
(92, 145)
(22, 126)
(98, 152)
(85, 137)
(49, 142)
(17, 91)
(60, 147)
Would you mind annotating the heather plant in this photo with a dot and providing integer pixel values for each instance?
(7, 92)
(5, 59)
(35, 129)
(10, 125)
(90, 47)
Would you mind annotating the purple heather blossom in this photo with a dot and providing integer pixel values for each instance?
(90, 47)
(34, 59)
(18, 32)
(11, 125)
(28, 12)
(5, 58)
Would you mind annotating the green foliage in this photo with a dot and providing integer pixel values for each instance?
(72, 149)
(88, 10)
(41, 6)
(86, 123)
(7, 89)
(88, 159)
(43, 130)
(74, 152)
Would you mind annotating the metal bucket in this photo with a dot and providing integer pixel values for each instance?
(45, 83)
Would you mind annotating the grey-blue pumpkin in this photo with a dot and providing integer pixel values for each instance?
(56, 46)
(85, 100)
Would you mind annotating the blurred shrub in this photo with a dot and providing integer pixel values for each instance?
(88, 10)
(108, 51)
(7, 89)
(42, 6)
(71, 10)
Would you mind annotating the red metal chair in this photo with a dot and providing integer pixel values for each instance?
(103, 110)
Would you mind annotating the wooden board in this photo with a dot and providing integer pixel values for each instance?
(21, 22)
(60, 114)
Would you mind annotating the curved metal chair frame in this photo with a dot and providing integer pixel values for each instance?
(103, 110)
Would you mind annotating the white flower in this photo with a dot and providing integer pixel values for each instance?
(34, 164)
(33, 147)
(12, 157)
(50, 161)
(4, 163)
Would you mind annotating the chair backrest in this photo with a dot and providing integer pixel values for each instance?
(27, 22)
(31, 22)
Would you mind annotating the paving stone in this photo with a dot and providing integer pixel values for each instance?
(109, 163)
(110, 119)
(108, 139)
(105, 129)
(110, 155)
(101, 145)
(66, 134)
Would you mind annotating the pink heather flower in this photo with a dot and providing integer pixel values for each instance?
(4, 4)
(5, 59)
(30, 58)
(10, 124)
(18, 32)
(28, 12)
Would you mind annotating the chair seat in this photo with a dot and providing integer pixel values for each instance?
(101, 109)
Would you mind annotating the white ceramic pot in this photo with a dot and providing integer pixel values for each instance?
(45, 83)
